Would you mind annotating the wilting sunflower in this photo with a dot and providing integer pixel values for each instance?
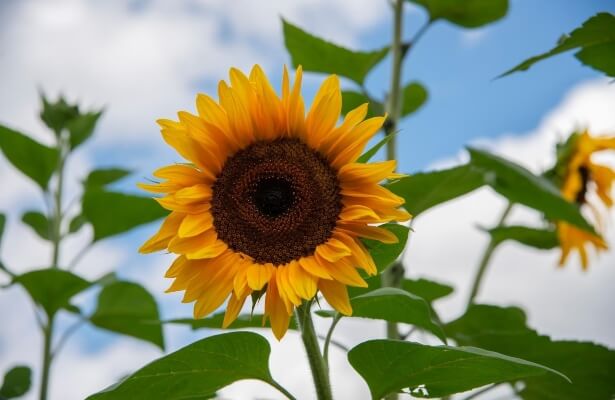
(271, 200)
(589, 185)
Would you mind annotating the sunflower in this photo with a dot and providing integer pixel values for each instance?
(272, 201)
(582, 179)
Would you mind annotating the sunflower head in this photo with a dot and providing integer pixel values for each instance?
(272, 200)
(586, 183)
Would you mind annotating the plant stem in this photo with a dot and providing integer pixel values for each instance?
(56, 237)
(320, 372)
(394, 102)
(486, 258)
(325, 352)
(57, 197)
(282, 390)
(48, 335)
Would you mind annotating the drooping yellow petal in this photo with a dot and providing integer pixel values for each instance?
(233, 308)
(311, 265)
(332, 250)
(368, 232)
(336, 294)
(276, 310)
(344, 272)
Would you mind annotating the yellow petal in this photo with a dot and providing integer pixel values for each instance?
(233, 308)
(258, 275)
(194, 224)
(303, 283)
(368, 232)
(276, 310)
(167, 231)
(336, 295)
(332, 250)
(311, 265)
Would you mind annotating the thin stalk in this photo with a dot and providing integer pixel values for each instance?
(325, 351)
(320, 372)
(486, 258)
(57, 198)
(282, 390)
(48, 338)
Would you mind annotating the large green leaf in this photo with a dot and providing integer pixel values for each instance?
(38, 222)
(385, 254)
(428, 189)
(127, 308)
(16, 382)
(539, 238)
(197, 370)
(389, 366)
(414, 95)
(317, 55)
(352, 100)
(396, 305)
(215, 322)
(111, 213)
(595, 40)
(466, 13)
(589, 366)
(51, 288)
(33, 159)
(99, 178)
(81, 127)
(519, 185)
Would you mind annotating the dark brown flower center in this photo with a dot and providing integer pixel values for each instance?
(276, 201)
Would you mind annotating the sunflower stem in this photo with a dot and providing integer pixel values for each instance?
(56, 238)
(320, 371)
(486, 258)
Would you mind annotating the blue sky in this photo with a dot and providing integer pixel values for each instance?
(147, 59)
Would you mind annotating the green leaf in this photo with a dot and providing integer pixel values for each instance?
(129, 309)
(317, 55)
(352, 100)
(81, 127)
(111, 213)
(215, 322)
(595, 40)
(389, 366)
(197, 370)
(428, 189)
(427, 289)
(414, 95)
(33, 159)
(77, 223)
(465, 13)
(545, 239)
(103, 177)
(396, 305)
(519, 185)
(58, 114)
(38, 222)
(16, 382)
(52, 288)
(385, 254)
(372, 151)
(589, 366)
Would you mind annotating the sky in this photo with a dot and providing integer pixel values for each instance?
(143, 60)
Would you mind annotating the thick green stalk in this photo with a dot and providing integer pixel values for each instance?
(48, 335)
(320, 372)
(486, 258)
(391, 277)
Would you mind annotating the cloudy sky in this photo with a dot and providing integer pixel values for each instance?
(147, 59)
